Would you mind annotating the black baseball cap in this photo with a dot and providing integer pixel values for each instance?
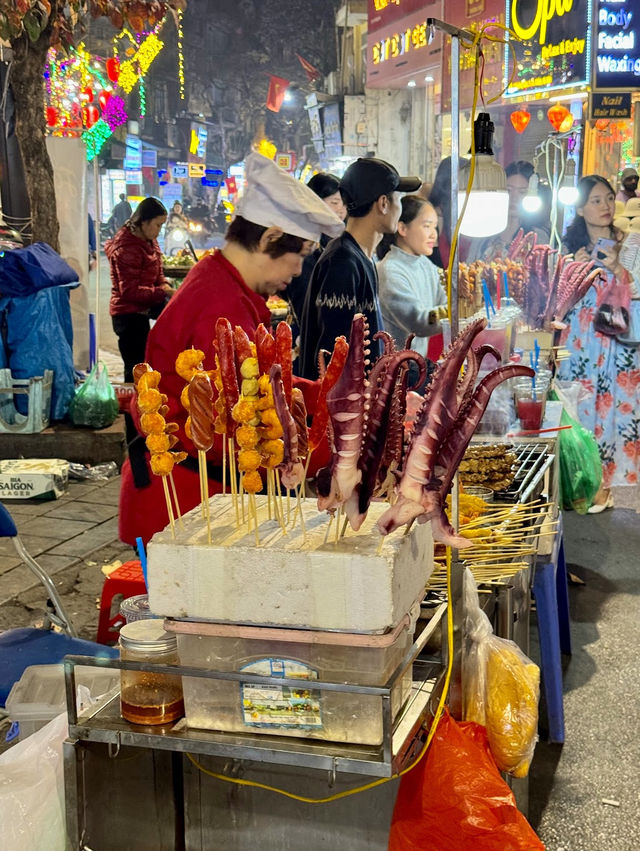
(368, 178)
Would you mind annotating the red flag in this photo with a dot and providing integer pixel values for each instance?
(275, 96)
(311, 72)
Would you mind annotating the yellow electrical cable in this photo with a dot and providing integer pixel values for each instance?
(447, 680)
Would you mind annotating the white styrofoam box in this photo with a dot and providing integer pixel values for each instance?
(309, 581)
(33, 478)
(301, 654)
(39, 694)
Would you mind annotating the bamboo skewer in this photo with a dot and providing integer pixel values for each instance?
(165, 487)
(204, 490)
(326, 534)
(299, 509)
(233, 481)
(175, 499)
(253, 510)
(224, 464)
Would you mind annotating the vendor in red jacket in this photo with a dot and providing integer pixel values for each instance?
(278, 223)
(138, 286)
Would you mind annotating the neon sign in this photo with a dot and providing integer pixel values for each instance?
(554, 48)
(617, 64)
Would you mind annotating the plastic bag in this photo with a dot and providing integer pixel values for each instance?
(32, 791)
(612, 314)
(501, 689)
(456, 799)
(580, 465)
(95, 404)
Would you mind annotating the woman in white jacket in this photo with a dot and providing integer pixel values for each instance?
(412, 299)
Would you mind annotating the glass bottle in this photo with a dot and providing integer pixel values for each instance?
(146, 697)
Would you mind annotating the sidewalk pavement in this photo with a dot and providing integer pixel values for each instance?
(71, 538)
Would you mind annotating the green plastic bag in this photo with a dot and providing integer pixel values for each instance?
(580, 465)
(95, 404)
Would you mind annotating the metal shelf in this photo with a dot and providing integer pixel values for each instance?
(401, 738)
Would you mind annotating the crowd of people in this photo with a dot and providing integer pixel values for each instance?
(372, 242)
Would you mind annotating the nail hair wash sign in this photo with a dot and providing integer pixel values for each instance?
(554, 47)
(617, 45)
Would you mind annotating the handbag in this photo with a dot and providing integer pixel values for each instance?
(612, 314)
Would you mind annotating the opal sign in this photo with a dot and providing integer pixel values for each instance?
(617, 45)
(553, 46)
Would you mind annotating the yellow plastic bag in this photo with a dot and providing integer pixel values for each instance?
(501, 689)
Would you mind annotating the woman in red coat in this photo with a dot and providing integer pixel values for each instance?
(138, 286)
(278, 223)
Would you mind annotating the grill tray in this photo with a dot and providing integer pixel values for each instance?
(533, 461)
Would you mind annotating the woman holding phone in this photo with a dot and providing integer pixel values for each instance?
(608, 369)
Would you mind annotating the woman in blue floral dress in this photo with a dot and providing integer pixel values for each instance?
(608, 370)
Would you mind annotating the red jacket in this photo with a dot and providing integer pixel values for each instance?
(136, 273)
(213, 288)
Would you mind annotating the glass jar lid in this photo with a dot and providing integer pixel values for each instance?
(147, 636)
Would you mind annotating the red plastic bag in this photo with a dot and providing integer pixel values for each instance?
(456, 800)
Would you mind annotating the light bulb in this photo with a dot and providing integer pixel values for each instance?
(568, 195)
(532, 202)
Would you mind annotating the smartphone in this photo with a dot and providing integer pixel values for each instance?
(598, 253)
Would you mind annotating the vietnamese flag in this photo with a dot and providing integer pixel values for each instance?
(311, 72)
(275, 96)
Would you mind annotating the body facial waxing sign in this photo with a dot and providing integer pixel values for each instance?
(617, 45)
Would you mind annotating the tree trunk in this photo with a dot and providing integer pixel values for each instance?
(28, 88)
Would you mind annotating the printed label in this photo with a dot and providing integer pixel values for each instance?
(275, 706)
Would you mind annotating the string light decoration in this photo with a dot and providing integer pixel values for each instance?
(180, 55)
(143, 98)
(115, 112)
(95, 138)
(76, 83)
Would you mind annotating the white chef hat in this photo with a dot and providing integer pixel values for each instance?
(275, 199)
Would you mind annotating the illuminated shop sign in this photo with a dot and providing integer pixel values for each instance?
(617, 45)
(399, 44)
(554, 50)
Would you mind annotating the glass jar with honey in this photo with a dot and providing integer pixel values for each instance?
(147, 697)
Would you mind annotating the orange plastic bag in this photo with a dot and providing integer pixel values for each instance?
(456, 800)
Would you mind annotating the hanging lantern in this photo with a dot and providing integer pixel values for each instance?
(90, 115)
(556, 115)
(87, 94)
(113, 68)
(602, 123)
(52, 116)
(567, 124)
(520, 120)
(103, 99)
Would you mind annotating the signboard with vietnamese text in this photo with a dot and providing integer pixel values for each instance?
(381, 13)
(467, 17)
(400, 50)
(554, 50)
(196, 169)
(617, 45)
(614, 105)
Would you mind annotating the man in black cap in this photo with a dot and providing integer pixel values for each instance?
(344, 280)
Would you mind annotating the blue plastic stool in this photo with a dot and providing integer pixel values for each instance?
(552, 606)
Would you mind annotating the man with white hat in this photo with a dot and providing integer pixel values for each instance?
(628, 185)
(278, 222)
(344, 280)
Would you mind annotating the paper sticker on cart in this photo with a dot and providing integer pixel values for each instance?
(276, 706)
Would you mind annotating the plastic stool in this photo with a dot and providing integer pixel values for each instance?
(552, 606)
(126, 581)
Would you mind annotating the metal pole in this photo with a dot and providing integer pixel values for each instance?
(455, 156)
(96, 180)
